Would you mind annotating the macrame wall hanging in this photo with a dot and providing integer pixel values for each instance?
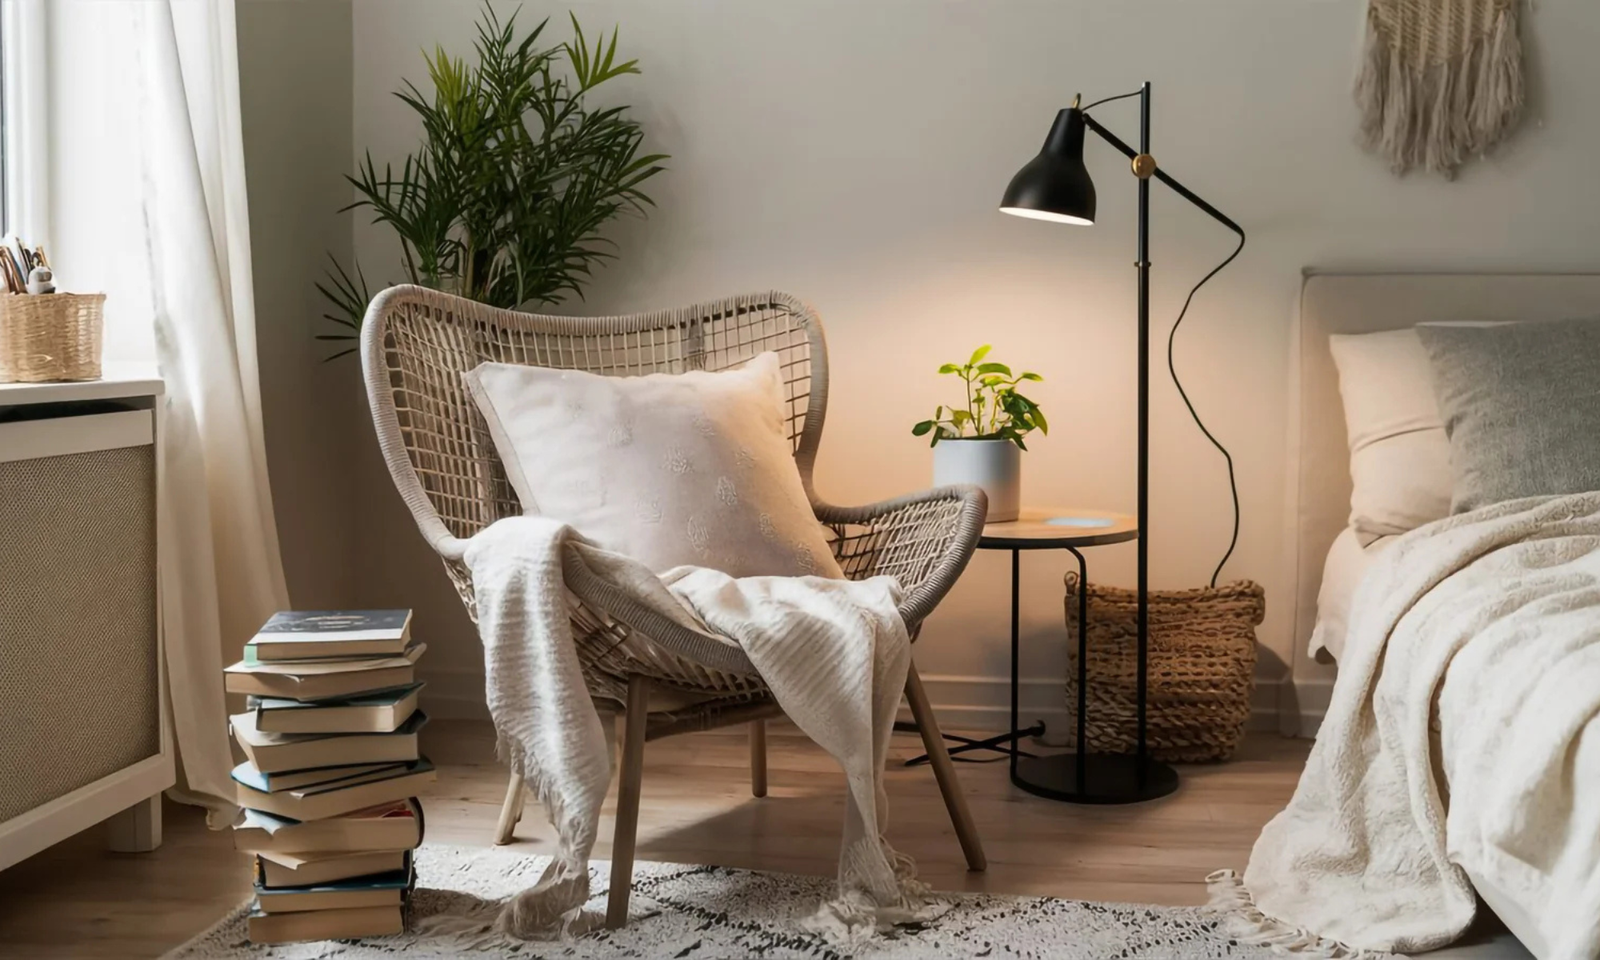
(1440, 81)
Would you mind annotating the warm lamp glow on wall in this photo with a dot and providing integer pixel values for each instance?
(1056, 186)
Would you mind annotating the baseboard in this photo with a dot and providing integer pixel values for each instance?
(1307, 697)
(962, 702)
(984, 703)
(1263, 707)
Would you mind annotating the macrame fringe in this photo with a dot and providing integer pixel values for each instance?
(1229, 900)
(1439, 116)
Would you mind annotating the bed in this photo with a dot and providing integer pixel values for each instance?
(1332, 558)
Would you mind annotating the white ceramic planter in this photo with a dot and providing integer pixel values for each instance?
(994, 465)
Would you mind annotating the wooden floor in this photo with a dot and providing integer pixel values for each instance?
(77, 900)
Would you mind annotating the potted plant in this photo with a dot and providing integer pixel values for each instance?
(981, 442)
(518, 171)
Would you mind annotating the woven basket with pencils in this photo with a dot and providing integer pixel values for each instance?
(1202, 657)
(51, 336)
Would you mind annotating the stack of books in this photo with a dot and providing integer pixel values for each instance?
(332, 771)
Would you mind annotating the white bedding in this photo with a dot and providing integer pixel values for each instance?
(1461, 749)
(1348, 561)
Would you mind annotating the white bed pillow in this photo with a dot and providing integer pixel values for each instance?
(670, 469)
(1399, 454)
(1347, 564)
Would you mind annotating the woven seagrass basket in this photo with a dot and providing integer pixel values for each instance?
(1202, 657)
(51, 336)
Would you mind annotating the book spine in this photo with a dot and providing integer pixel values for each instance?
(422, 823)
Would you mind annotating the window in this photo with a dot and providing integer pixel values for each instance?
(22, 115)
(5, 117)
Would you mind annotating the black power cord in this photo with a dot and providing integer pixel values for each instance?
(1233, 483)
(1120, 96)
(1172, 335)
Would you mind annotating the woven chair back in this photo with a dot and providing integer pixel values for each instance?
(425, 340)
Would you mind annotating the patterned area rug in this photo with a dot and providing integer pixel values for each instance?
(715, 913)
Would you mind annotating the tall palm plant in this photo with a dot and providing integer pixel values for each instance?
(504, 201)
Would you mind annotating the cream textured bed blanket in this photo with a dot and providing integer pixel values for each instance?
(834, 653)
(1462, 737)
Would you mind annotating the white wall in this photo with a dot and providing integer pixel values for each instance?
(854, 152)
(294, 66)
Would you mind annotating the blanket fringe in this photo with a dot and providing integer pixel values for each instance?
(1230, 900)
(553, 907)
(869, 902)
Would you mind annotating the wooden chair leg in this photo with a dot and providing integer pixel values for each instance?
(944, 770)
(510, 811)
(758, 758)
(628, 786)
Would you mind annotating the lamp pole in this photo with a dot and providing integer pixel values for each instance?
(1143, 266)
(1056, 186)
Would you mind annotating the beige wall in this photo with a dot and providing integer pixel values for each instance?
(295, 71)
(853, 153)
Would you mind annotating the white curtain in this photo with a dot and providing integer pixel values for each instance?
(147, 202)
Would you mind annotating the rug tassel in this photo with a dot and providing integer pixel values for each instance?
(1228, 899)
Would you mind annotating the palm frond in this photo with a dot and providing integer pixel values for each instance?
(507, 197)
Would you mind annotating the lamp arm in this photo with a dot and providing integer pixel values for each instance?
(1225, 220)
(1162, 175)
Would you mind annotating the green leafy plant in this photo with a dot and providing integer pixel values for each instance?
(994, 409)
(504, 201)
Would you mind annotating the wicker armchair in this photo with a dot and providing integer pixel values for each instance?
(415, 345)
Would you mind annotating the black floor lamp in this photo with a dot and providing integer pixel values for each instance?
(1056, 186)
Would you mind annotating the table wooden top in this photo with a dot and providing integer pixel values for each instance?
(1043, 528)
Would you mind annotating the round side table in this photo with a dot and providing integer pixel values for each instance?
(1080, 777)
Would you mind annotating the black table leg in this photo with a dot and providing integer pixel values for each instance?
(1084, 777)
(1016, 627)
(1004, 742)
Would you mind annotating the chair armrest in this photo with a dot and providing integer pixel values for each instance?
(923, 540)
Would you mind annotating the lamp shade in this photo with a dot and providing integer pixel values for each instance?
(1055, 185)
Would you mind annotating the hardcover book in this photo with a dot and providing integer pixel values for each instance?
(347, 924)
(381, 712)
(374, 891)
(247, 774)
(308, 634)
(388, 826)
(323, 679)
(337, 797)
(283, 752)
(304, 870)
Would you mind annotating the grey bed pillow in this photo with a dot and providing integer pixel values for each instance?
(1521, 406)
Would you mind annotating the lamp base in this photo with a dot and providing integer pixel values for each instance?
(1095, 778)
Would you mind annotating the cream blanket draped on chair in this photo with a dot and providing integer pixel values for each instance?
(834, 653)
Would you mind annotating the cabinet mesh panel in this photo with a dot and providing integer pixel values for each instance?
(79, 694)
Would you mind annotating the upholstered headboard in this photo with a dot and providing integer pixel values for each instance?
(1366, 303)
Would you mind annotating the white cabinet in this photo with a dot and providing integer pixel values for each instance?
(83, 719)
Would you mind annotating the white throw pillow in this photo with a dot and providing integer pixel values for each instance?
(1399, 454)
(670, 469)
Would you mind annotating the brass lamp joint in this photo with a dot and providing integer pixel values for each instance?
(1144, 166)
